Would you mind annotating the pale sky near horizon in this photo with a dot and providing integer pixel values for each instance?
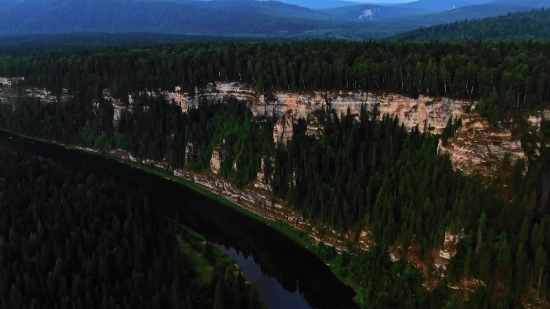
(381, 1)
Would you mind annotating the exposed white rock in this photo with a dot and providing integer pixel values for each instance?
(8, 81)
(189, 151)
(283, 130)
(432, 111)
(449, 245)
(535, 118)
(436, 112)
(393, 257)
(216, 160)
(479, 148)
(9, 94)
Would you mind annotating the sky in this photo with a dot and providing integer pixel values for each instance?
(381, 1)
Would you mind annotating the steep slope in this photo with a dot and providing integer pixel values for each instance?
(411, 16)
(459, 14)
(527, 25)
(530, 3)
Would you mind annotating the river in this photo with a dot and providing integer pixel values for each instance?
(286, 275)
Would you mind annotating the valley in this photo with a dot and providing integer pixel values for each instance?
(483, 152)
(337, 171)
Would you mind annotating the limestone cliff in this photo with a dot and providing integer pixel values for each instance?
(8, 81)
(216, 160)
(430, 113)
(9, 94)
(478, 148)
(283, 130)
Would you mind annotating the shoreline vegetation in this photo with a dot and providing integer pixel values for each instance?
(171, 266)
(294, 234)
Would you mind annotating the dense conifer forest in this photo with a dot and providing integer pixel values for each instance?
(365, 174)
(505, 75)
(534, 25)
(72, 239)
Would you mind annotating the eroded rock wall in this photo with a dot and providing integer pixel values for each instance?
(428, 113)
(8, 81)
(9, 94)
(478, 148)
(283, 130)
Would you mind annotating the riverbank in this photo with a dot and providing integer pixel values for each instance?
(299, 237)
(206, 258)
(296, 235)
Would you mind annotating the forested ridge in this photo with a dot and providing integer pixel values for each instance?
(505, 75)
(534, 25)
(365, 174)
(219, 18)
(72, 239)
(273, 19)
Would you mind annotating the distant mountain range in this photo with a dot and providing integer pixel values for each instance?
(517, 26)
(244, 18)
(320, 4)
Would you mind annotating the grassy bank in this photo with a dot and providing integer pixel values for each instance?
(193, 246)
(295, 235)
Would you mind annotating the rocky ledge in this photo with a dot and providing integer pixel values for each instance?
(478, 148)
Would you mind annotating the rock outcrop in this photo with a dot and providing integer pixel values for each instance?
(535, 118)
(216, 160)
(435, 111)
(283, 130)
(9, 94)
(8, 81)
(478, 148)
(428, 113)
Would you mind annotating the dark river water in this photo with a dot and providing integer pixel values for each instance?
(286, 275)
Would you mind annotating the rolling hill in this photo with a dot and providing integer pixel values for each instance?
(374, 12)
(234, 18)
(250, 18)
(320, 4)
(415, 15)
(534, 24)
(460, 14)
(441, 5)
(529, 3)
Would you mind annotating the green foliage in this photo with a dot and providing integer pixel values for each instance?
(225, 18)
(365, 173)
(504, 76)
(88, 232)
(534, 25)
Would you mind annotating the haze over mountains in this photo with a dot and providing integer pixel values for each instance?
(245, 18)
(526, 25)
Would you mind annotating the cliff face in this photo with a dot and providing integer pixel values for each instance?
(428, 113)
(8, 81)
(9, 94)
(478, 148)
(432, 111)
(283, 130)
(216, 160)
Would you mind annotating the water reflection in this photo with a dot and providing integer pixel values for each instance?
(273, 294)
(287, 276)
